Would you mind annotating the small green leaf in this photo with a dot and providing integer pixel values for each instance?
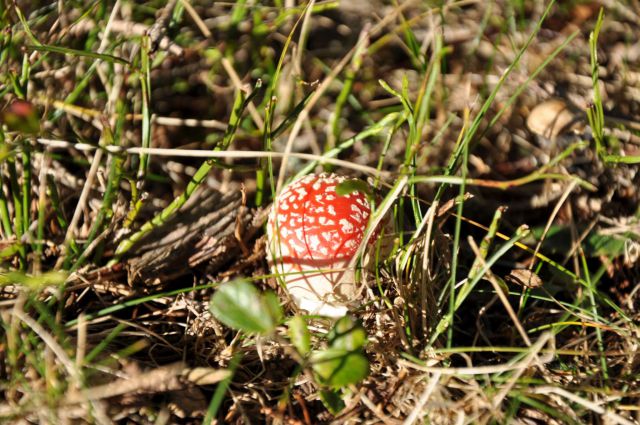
(598, 244)
(33, 281)
(353, 185)
(347, 334)
(82, 53)
(272, 306)
(11, 250)
(299, 335)
(332, 401)
(240, 306)
(338, 368)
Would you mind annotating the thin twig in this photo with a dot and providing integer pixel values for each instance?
(417, 410)
(196, 153)
(614, 417)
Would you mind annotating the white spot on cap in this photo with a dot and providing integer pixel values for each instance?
(314, 242)
(346, 225)
(331, 210)
(301, 193)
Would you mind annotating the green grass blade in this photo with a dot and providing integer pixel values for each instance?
(78, 53)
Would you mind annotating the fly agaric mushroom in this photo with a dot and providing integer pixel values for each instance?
(314, 233)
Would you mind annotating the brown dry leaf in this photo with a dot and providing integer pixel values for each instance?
(550, 118)
(524, 277)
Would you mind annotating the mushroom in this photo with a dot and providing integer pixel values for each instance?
(314, 234)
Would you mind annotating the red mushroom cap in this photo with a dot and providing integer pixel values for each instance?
(310, 221)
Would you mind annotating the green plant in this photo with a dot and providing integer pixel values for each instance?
(337, 366)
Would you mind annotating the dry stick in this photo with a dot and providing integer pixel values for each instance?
(91, 116)
(375, 409)
(118, 80)
(110, 106)
(92, 246)
(325, 85)
(97, 158)
(503, 298)
(104, 42)
(159, 28)
(81, 349)
(186, 122)
(127, 28)
(84, 195)
(586, 403)
(500, 368)
(45, 163)
(423, 399)
(302, 40)
(196, 153)
(62, 357)
(497, 400)
(577, 243)
(552, 217)
(163, 378)
(196, 18)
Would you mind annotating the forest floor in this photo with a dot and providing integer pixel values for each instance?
(142, 146)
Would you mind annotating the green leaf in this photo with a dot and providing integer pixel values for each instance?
(240, 306)
(33, 281)
(338, 368)
(81, 53)
(598, 244)
(10, 250)
(272, 307)
(332, 401)
(299, 335)
(558, 240)
(347, 334)
(353, 185)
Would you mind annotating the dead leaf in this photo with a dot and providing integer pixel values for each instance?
(524, 277)
(551, 118)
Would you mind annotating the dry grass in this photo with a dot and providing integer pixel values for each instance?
(508, 288)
